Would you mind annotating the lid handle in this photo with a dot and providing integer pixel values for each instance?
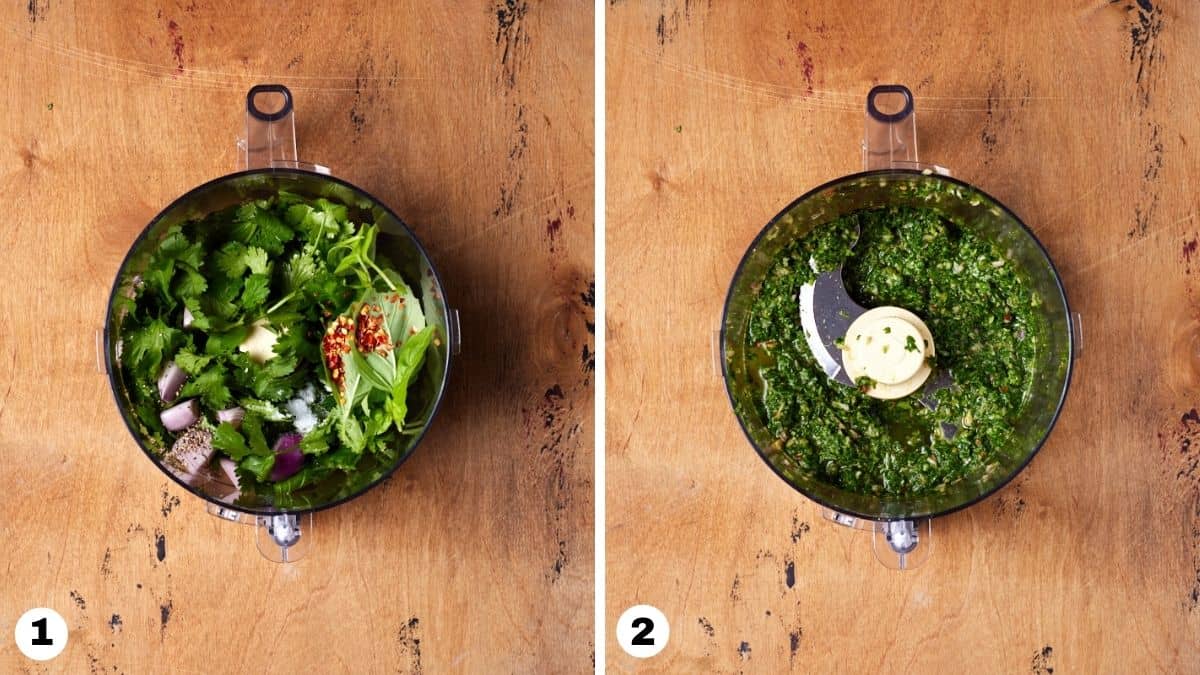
(270, 139)
(890, 137)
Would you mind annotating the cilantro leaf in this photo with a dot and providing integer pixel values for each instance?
(176, 246)
(298, 271)
(172, 248)
(316, 441)
(252, 426)
(231, 259)
(309, 475)
(256, 225)
(256, 260)
(259, 465)
(200, 318)
(226, 341)
(264, 409)
(144, 347)
(280, 366)
(344, 459)
(189, 283)
(318, 223)
(190, 362)
(227, 439)
(295, 343)
(350, 433)
(273, 380)
(210, 387)
(256, 290)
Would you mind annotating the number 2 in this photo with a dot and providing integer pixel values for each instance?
(642, 638)
(41, 640)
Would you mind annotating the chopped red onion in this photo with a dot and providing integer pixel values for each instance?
(190, 455)
(288, 457)
(170, 382)
(232, 415)
(182, 416)
(289, 441)
(287, 464)
(230, 469)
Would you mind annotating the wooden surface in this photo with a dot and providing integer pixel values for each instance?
(475, 124)
(1081, 116)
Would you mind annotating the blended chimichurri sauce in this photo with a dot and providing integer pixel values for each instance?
(986, 327)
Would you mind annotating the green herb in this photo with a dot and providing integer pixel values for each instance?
(210, 387)
(945, 273)
(408, 361)
(910, 344)
(292, 265)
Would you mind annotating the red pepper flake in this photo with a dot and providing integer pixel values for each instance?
(337, 342)
(370, 333)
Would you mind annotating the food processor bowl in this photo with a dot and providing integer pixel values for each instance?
(901, 182)
(269, 153)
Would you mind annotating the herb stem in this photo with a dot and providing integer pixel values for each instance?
(281, 303)
(386, 280)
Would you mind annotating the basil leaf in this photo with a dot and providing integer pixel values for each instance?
(409, 359)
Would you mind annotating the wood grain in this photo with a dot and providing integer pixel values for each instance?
(1078, 115)
(473, 122)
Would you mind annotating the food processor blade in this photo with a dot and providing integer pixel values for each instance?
(826, 312)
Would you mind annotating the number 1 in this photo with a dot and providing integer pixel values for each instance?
(41, 640)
